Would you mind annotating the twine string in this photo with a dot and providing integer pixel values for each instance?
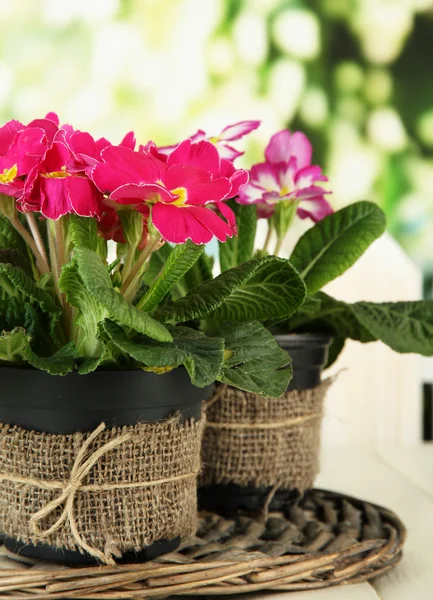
(82, 466)
(272, 425)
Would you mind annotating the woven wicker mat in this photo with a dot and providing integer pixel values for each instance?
(328, 539)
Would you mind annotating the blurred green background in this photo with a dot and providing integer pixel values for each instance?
(355, 75)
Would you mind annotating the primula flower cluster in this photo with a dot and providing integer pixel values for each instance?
(287, 175)
(55, 170)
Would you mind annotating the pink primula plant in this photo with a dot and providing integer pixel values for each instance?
(287, 175)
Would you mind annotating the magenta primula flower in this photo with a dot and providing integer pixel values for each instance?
(287, 176)
(185, 191)
(53, 190)
(228, 134)
(21, 148)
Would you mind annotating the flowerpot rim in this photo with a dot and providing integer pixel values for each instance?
(301, 339)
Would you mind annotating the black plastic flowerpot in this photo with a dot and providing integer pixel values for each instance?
(36, 401)
(309, 354)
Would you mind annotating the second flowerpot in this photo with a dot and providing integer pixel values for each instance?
(98, 467)
(264, 452)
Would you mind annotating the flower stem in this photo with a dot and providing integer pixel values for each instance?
(278, 246)
(41, 264)
(54, 261)
(37, 237)
(268, 237)
(129, 287)
(130, 256)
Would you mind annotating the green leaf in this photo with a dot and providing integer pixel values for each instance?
(200, 272)
(60, 363)
(98, 283)
(324, 312)
(89, 314)
(156, 264)
(16, 258)
(14, 313)
(13, 344)
(28, 287)
(83, 232)
(179, 262)
(263, 288)
(201, 355)
(257, 363)
(403, 326)
(240, 248)
(334, 244)
(9, 237)
(335, 350)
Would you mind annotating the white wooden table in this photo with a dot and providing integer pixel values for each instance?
(401, 479)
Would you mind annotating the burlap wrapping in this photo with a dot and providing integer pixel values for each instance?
(251, 440)
(113, 520)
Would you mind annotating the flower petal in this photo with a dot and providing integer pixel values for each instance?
(228, 152)
(177, 225)
(308, 176)
(228, 214)
(129, 140)
(7, 135)
(121, 166)
(314, 207)
(238, 130)
(131, 193)
(219, 228)
(284, 145)
(49, 126)
(250, 194)
(55, 199)
(84, 199)
(203, 155)
(266, 176)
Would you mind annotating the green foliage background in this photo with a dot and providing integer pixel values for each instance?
(356, 75)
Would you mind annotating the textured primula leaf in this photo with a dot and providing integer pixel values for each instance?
(179, 262)
(13, 344)
(262, 288)
(200, 272)
(403, 326)
(324, 312)
(240, 247)
(89, 312)
(14, 313)
(21, 282)
(9, 237)
(334, 244)
(60, 363)
(98, 283)
(255, 363)
(83, 232)
(202, 356)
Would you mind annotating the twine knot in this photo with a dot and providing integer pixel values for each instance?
(69, 489)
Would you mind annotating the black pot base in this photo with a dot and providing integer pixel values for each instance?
(230, 499)
(50, 554)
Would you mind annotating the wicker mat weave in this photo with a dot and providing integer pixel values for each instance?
(327, 540)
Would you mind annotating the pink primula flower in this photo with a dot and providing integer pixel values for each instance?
(185, 191)
(44, 166)
(287, 175)
(21, 148)
(228, 134)
(53, 190)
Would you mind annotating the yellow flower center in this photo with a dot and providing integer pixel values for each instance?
(284, 191)
(57, 174)
(9, 175)
(182, 196)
